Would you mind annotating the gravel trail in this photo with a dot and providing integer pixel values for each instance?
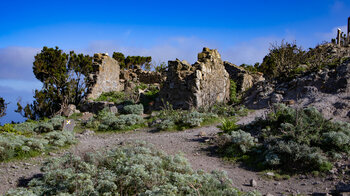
(193, 143)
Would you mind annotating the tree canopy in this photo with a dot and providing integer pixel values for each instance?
(130, 62)
(281, 60)
(3, 107)
(64, 77)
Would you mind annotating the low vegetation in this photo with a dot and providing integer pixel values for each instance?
(287, 60)
(137, 169)
(32, 138)
(116, 97)
(293, 140)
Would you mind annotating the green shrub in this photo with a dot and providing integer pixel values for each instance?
(32, 137)
(28, 126)
(233, 92)
(292, 139)
(116, 97)
(141, 86)
(166, 124)
(129, 170)
(108, 121)
(44, 127)
(8, 128)
(193, 119)
(133, 109)
(241, 140)
(60, 138)
(281, 60)
(337, 140)
(57, 122)
(182, 119)
(228, 126)
(161, 67)
(17, 146)
(105, 114)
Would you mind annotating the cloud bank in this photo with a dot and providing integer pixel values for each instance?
(17, 62)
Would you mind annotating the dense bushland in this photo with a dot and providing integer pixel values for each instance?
(290, 139)
(134, 169)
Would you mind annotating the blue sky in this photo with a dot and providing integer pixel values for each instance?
(242, 31)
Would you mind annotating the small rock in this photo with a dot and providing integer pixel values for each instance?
(268, 194)
(207, 140)
(14, 166)
(202, 134)
(52, 154)
(270, 174)
(333, 170)
(26, 164)
(88, 132)
(253, 183)
(113, 109)
(276, 98)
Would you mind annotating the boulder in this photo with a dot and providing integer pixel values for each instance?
(70, 110)
(86, 116)
(201, 84)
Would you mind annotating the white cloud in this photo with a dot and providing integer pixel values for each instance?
(332, 34)
(17, 62)
(21, 85)
(252, 51)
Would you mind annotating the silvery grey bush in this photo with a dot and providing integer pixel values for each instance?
(134, 169)
(133, 109)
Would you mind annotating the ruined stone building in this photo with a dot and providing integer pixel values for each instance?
(184, 86)
(106, 78)
(201, 84)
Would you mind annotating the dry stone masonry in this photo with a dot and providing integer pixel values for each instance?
(137, 75)
(241, 76)
(201, 84)
(106, 78)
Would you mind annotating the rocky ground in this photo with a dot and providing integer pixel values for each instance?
(328, 90)
(196, 147)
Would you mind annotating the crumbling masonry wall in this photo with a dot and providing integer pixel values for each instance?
(106, 78)
(201, 84)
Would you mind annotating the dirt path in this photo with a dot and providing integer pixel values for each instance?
(190, 143)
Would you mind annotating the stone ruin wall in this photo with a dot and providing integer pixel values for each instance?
(184, 86)
(109, 77)
(242, 77)
(106, 78)
(140, 76)
(201, 84)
